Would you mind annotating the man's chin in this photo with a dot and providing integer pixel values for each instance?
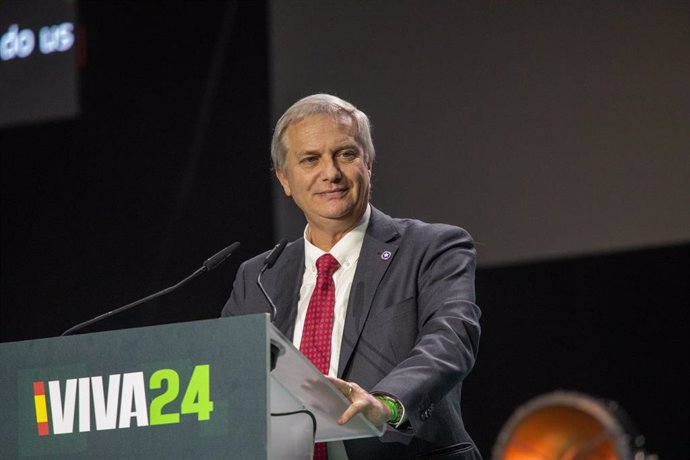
(343, 214)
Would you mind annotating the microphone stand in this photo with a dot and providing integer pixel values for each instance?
(208, 265)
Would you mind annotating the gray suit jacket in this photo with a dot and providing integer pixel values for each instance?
(411, 329)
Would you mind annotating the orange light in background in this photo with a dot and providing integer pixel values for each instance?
(569, 426)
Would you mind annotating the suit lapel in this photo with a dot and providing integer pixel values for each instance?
(378, 250)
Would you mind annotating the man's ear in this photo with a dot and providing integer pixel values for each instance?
(280, 174)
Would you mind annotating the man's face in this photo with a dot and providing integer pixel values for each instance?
(325, 172)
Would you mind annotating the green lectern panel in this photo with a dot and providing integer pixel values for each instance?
(185, 390)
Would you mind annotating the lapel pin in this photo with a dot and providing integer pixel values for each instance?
(385, 255)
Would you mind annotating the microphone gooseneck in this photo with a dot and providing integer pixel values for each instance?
(268, 263)
(208, 265)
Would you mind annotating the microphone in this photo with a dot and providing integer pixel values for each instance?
(268, 263)
(220, 257)
(208, 265)
(276, 349)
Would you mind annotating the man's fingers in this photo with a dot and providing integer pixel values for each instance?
(362, 401)
(351, 411)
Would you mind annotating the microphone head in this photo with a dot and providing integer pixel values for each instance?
(268, 263)
(275, 253)
(218, 258)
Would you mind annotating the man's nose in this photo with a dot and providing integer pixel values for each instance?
(331, 170)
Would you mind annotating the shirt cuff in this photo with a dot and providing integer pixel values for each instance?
(398, 413)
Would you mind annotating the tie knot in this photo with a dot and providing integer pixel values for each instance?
(326, 265)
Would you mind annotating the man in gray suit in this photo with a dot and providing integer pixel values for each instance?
(403, 328)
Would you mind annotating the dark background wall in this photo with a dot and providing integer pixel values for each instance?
(612, 326)
(546, 129)
(165, 165)
(168, 163)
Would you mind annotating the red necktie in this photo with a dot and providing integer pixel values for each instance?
(318, 325)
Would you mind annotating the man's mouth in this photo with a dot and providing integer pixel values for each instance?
(337, 193)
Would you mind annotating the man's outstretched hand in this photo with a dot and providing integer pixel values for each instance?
(361, 401)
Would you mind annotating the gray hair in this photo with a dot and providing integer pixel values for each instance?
(321, 104)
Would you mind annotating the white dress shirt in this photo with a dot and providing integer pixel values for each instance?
(346, 252)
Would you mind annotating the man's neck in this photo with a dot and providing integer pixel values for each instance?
(325, 240)
(325, 235)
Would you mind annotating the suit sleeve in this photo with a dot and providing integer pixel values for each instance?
(448, 327)
(236, 301)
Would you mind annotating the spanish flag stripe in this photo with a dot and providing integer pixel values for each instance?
(43, 429)
(39, 388)
(41, 409)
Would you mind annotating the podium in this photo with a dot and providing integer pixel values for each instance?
(202, 389)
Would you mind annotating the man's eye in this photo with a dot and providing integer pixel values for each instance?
(348, 154)
(309, 160)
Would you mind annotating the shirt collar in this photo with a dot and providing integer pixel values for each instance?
(345, 251)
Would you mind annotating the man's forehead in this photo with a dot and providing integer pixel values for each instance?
(315, 129)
